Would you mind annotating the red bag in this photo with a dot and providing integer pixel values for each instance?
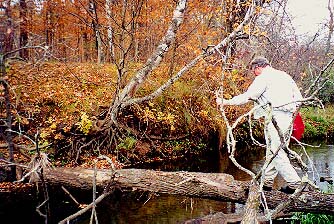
(298, 127)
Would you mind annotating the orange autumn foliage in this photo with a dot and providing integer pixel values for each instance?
(56, 95)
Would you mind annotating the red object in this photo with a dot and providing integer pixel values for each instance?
(298, 127)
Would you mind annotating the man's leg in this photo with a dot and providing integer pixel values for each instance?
(270, 174)
(286, 170)
(281, 162)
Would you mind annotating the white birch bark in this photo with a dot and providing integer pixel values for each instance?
(330, 25)
(110, 32)
(152, 62)
(128, 101)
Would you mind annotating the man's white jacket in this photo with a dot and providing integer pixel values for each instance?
(271, 86)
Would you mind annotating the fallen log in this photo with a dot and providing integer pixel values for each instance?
(217, 186)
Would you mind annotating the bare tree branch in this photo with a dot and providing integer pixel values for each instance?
(225, 42)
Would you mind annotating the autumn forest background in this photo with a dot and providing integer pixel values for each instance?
(136, 79)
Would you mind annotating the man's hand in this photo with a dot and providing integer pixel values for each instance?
(219, 101)
(222, 102)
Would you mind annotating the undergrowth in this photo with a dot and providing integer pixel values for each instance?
(60, 99)
(63, 100)
(319, 123)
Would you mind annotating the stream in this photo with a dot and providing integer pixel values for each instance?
(136, 207)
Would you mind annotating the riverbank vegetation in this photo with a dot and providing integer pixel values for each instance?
(62, 101)
(319, 123)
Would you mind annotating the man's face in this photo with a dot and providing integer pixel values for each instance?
(257, 70)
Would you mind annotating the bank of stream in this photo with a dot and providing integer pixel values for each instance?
(139, 207)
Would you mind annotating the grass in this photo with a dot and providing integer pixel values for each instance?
(319, 123)
(327, 113)
(313, 218)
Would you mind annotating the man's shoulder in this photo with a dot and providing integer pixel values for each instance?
(280, 73)
(277, 71)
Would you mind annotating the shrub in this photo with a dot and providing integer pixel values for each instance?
(319, 123)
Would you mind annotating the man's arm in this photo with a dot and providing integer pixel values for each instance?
(254, 91)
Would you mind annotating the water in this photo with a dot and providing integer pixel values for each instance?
(169, 209)
(137, 207)
(322, 166)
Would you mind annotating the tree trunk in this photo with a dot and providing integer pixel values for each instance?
(23, 29)
(252, 205)
(110, 31)
(49, 31)
(6, 123)
(216, 186)
(330, 26)
(96, 29)
(9, 34)
(155, 59)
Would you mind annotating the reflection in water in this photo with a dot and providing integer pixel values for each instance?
(161, 209)
(322, 166)
(123, 208)
(252, 159)
(171, 209)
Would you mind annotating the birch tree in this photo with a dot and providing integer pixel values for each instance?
(125, 97)
(330, 25)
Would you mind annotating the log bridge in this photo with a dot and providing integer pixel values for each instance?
(216, 186)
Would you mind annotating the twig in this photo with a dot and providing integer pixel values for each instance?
(94, 198)
(11, 163)
(71, 196)
(329, 64)
(107, 191)
(81, 147)
(302, 145)
(39, 211)
(82, 211)
(251, 133)
(231, 141)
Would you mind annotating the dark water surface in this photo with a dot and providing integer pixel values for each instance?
(124, 208)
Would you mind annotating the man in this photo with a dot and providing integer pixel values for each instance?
(278, 90)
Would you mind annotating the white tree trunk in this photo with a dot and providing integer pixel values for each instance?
(110, 32)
